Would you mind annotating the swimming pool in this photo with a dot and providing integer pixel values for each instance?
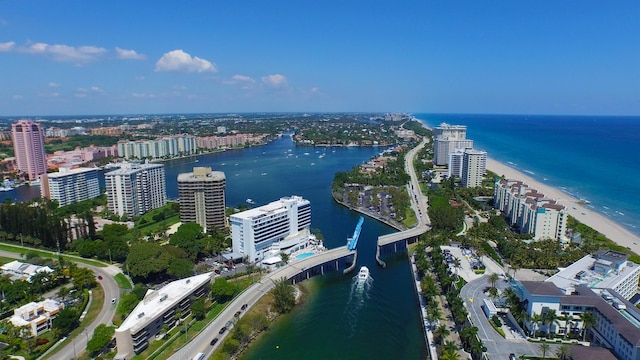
(302, 256)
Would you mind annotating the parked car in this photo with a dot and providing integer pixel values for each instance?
(224, 328)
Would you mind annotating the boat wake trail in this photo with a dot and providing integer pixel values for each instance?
(358, 296)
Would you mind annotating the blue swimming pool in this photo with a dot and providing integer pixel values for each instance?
(302, 256)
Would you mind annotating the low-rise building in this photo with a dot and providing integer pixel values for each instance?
(17, 270)
(159, 309)
(38, 317)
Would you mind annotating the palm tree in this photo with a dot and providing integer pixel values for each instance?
(536, 320)
(493, 279)
(450, 346)
(549, 318)
(435, 313)
(544, 347)
(450, 355)
(441, 332)
(588, 320)
(456, 265)
(563, 352)
(477, 348)
(566, 318)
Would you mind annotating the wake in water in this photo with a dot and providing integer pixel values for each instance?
(359, 294)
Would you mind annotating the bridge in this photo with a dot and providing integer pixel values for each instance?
(338, 259)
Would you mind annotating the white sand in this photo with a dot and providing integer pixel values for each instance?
(599, 222)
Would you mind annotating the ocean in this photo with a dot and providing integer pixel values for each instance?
(594, 158)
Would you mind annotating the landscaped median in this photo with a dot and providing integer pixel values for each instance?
(49, 254)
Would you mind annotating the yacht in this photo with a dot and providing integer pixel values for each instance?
(249, 201)
(363, 275)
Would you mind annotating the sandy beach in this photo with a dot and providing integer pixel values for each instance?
(582, 213)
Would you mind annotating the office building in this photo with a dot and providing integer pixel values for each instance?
(474, 165)
(280, 226)
(28, 144)
(38, 317)
(159, 309)
(70, 185)
(447, 138)
(135, 188)
(530, 210)
(202, 199)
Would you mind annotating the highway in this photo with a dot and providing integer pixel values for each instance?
(250, 296)
(111, 290)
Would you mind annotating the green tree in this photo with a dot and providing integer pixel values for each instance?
(67, 320)
(284, 257)
(544, 347)
(147, 259)
(101, 337)
(189, 238)
(441, 333)
(198, 309)
(563, 352)
(493, 279)
(180, 268)
(222, 290)
(83, 278)
(283, 296)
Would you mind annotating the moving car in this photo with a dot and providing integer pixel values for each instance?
(213, 341)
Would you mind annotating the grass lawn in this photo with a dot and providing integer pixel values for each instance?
(122, 281)
(4, 260)
(409, 218)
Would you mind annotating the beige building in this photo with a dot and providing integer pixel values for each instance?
(202, 197)
(36, 317)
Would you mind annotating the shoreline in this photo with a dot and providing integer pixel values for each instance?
(575, 207)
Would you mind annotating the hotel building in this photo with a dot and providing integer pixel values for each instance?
(157, 309)
(36, 317)
(28, 144)
(602, 285)
(202, 199)
(530, 210)
(136, 188)
(447, 138)
(280, 226)
(70, 185)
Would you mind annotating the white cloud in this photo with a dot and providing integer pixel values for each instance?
(52, 84)
(140, 78)
(128, 54)
(7, 46)
(17, 97)
(78, 55)
(180, 61)
(243, 81)
(275, 81)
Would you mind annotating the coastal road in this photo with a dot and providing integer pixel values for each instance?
(111, 290)
(418, 200)
(250, 296)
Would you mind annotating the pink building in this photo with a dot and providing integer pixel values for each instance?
(28, 144)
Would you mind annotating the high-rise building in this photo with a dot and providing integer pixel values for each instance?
(447, 138)
(136, 188)
(70, 185)
(474, 165)
(280, 226)
(201, 195)
(455, 163)
(28, 144)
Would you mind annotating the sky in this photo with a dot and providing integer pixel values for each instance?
(498, 57)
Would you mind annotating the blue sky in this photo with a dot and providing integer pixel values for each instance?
(122, 57)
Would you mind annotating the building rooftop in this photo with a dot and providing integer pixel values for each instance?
(25, 269)
(200, 173)
(541, 288)
(66, 172)
(156, 302)
(128, 168)
(582, 272)
(579, 352)
(268, 208)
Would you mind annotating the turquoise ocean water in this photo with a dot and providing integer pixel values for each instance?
(590, 157)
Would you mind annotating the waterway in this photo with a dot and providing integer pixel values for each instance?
(335, 322)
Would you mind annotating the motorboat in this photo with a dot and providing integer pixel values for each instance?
(363, 275)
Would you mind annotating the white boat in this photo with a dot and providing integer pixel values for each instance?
(363, 275)
(6, 188)
(250, 201)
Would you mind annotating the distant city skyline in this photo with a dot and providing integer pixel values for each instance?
(499, 57)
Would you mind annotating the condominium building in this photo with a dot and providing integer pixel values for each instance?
(135, 188)
(159, 309)
(70, 185)
(36, 318)
(280, 226)
(530, 210)
(447, 138)
(28, 144)
(474, 165)
(455, 163)
(202, 198)
(166, 147)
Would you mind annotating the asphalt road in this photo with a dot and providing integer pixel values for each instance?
(111, 290)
